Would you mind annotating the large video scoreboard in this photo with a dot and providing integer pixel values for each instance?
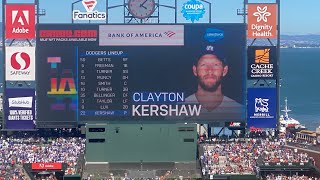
(169, 73)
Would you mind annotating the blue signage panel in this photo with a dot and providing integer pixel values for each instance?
(19, 108)
(213, 35)
(262, 107)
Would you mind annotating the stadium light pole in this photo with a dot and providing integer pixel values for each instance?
(172, 7)
(278, 64)
(245, 2)
(176, 13)
(37, 14)
(2, 84)
(4, 2)
(72, 5)
(209, 3)
(243, 12)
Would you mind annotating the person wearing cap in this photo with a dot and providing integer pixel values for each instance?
(210, 70)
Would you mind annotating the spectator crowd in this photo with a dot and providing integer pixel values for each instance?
(17, 150)
(234, 157)
(239, 156)
(273, 153)
(228, 158)
(286, 177)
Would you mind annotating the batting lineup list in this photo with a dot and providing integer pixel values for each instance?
(103, 79)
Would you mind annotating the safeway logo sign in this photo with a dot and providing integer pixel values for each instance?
(20, 21)
(20, 63)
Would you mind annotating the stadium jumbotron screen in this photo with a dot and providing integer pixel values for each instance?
(177, 73)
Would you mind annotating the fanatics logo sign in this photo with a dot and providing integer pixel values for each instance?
(20, 21)
(89, 5)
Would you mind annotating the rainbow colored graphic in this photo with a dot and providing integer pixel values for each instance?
(62, 87)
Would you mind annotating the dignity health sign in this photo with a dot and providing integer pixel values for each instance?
(262, 20)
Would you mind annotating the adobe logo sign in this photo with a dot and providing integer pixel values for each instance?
(20, 21)
(20, 63)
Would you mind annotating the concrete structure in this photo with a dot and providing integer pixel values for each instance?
(141, 143)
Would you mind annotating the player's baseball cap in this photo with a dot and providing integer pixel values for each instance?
(213, 50)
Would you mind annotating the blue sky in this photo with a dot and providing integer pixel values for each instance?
(297, 16)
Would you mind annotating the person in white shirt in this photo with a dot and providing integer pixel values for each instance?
(210, 71)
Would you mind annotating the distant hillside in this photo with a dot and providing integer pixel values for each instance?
(311, 37)
(311, 40)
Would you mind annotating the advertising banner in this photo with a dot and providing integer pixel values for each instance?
(46, 166)
(262, 20)
(193, 10)
(235, 125)
(143, 72)
(20, 64)
(262, 62)
(137, 35)
(20, 21)
(262, 108)
(19, 108)
(53, 35)
(90, 13)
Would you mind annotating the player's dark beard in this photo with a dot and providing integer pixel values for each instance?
(211, 88)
